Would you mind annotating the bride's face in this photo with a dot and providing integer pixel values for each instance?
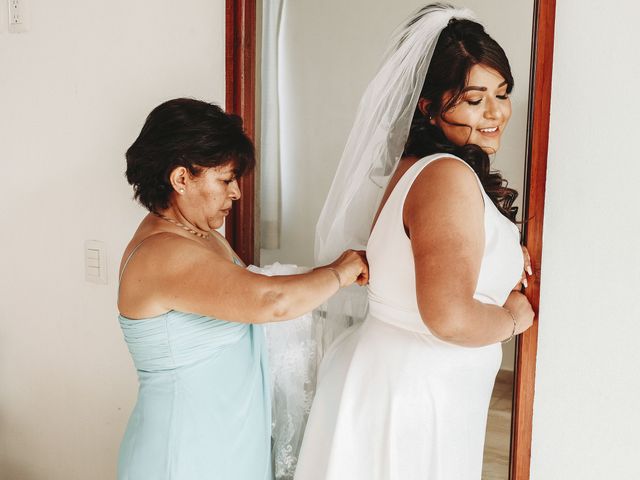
(481, 113)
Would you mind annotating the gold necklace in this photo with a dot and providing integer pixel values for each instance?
(184, 227)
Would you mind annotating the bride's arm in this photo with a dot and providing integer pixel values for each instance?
(444, 216)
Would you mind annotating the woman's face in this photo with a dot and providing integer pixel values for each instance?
(209, 196)
(484, 109)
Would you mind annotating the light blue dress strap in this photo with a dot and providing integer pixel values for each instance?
(126, 262)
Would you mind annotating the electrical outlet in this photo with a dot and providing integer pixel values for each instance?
(17, 16)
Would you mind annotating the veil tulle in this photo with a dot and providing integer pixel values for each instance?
(379, 133)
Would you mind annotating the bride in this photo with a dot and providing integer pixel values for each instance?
(405, 394)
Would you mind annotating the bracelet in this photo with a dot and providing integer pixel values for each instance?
(335, 272)
(513, 332)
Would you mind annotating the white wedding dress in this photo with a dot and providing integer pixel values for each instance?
(394, 402)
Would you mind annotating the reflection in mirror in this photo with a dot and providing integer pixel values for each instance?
(317, 59)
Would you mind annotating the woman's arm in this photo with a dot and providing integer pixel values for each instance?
(444, 215)
(176, 273)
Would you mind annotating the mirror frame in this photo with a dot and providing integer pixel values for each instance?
(241, 229)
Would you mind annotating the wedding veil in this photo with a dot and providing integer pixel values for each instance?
(379, 133)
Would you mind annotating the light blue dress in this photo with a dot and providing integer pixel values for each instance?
(203, 409)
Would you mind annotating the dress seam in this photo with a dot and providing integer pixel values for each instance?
(173, 399)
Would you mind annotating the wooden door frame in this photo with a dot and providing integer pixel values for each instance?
(240, 62)
(535, 183)
(242, 231)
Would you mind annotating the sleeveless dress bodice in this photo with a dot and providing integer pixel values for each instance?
(393, 401)
(392, 285)
(203, 408)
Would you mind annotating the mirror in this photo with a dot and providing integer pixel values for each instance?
(317, 59)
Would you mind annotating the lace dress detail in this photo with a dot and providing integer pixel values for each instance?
(294, 352)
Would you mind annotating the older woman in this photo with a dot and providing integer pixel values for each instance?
(190, 312)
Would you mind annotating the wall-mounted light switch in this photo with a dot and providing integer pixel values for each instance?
(95, 261)
(17, 16)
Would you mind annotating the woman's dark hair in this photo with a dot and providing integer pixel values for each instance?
(184, 133)
(461, 45)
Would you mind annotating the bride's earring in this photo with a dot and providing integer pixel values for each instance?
(430, 118)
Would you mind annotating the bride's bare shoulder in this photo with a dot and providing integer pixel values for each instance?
(438, 183)
(445, 173)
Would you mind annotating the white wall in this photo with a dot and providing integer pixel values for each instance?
(74, 92)
(586, 414)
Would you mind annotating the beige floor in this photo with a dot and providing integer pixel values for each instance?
(496, 447)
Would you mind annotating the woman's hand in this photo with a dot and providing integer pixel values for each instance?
(517, 303)
(352, 267)
(521, 310)
(528, 270)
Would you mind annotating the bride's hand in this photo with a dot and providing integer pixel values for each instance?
(352, 267)
(528, 270)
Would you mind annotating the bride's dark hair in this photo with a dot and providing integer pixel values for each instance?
(461, 45)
